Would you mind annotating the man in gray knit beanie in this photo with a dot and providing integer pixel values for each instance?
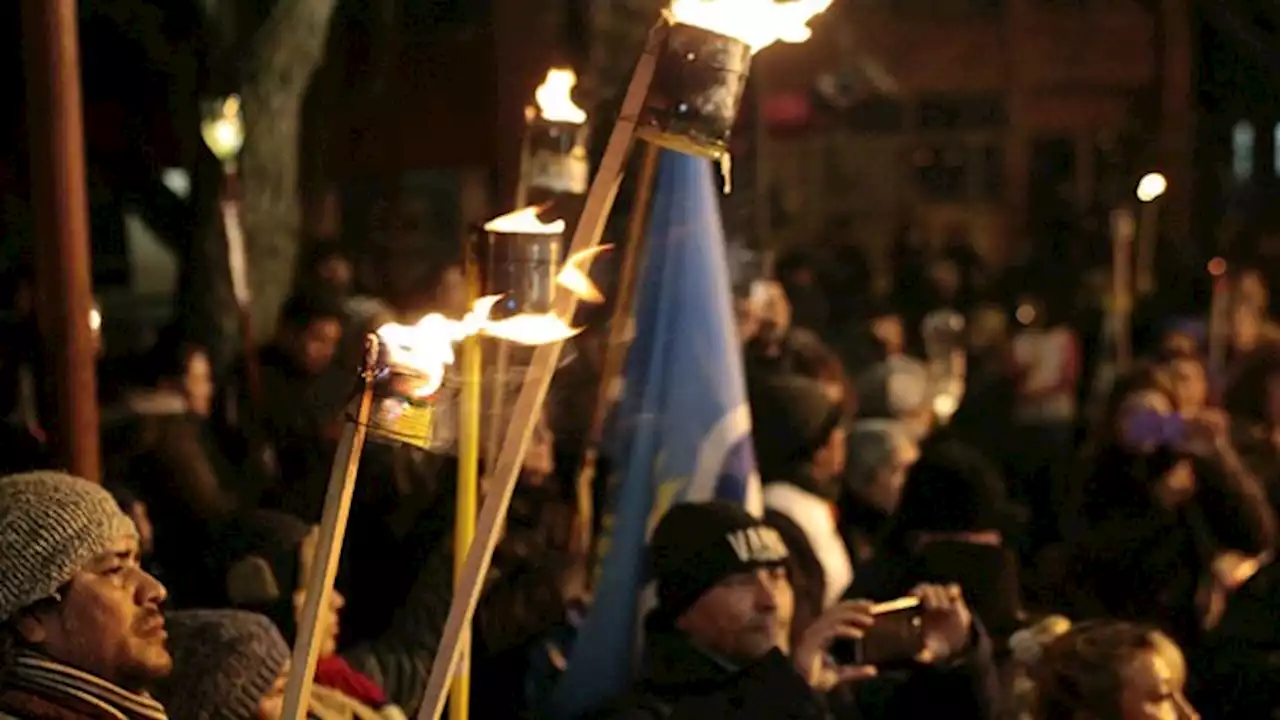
(227, 665)
(74, 600)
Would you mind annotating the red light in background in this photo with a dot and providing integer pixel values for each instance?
(1217, 267)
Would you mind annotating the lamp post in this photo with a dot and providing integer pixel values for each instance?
(1150, 189)
(222, 128)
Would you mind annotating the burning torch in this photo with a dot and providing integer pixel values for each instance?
(683, 95)
(406, 398)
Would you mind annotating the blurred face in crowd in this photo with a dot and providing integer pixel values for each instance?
(1251, 289)
(1152, 688)
(885, 491)
(987, 327)
(1180, 343)
(829, 461)
(197, 384)
(946, 279)
(317, 343)
(748, 319)
(889, 331)
(1246, 327)
(336, 272)
(1191, 388)
(107, 621)
(741, 618)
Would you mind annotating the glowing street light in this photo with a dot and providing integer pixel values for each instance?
(222, 128)
(1151, 187)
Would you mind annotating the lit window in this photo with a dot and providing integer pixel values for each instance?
(1242, 138)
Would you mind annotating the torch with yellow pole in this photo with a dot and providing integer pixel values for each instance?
(684, 95)
(403, 396)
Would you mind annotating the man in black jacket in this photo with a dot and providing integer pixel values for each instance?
(715, 644)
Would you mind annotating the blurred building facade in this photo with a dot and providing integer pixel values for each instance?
(1006, 122)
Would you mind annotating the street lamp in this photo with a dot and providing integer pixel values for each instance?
(222, 127)
(1151, 187)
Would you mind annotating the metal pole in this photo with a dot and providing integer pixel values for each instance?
(58, 193)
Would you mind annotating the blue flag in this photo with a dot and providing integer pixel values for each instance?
(682, 432)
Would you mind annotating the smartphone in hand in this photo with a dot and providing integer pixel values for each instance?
(896, 638)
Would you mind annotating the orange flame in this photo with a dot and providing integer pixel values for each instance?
(427, 345)
(555, 97)
(524, 221)
(758, 23)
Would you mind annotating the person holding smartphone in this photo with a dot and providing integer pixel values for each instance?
(716, 644)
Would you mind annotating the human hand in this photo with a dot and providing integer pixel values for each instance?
(812, 657)
(946, 623)
(1208, 433)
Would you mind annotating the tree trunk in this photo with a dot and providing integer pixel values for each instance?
(286, 52)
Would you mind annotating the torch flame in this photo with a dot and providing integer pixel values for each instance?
(758, 23)
(575, 279)
(524, 222)
(427, 345)
(555, 97)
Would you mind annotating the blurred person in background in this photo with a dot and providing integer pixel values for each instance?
(1170, 510)
(1047, 367)
(1112, 670)
(899, 388)
(984, 418)
(800, 451)
(1253, 400)
(952, 525)
(157, 444)
(294, 420)
(798, 274)
(880, 454)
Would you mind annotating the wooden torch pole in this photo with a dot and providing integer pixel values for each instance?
(64, 284)
(595, 213)
(333, 528)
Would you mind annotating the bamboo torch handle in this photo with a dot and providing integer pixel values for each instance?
(595, 214)
(333, 528)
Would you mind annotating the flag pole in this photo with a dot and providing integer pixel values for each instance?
(595, 214)
(619, 340)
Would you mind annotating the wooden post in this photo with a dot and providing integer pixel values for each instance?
(595, 214)
(64, 285)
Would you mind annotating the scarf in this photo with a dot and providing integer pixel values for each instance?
(49, 678)
(334, 672)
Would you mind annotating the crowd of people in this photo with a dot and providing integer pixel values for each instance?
(1067, 552)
